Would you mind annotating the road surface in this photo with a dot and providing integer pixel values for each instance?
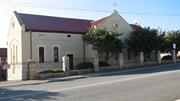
(159, 83)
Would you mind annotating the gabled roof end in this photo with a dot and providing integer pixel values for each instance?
(18, 17)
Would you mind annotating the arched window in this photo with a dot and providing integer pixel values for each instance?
(16, 54)
(56, 54)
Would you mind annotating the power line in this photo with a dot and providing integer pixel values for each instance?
(106, 11)
(148, 14)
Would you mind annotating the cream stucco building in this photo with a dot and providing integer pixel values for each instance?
(46, 39)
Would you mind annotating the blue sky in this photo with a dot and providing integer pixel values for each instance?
(163, 14)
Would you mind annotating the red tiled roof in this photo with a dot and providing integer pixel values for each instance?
(97, 22)
(41, 23)
(135, 27)
(3, 52)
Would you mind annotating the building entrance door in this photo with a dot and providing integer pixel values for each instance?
(71, 64)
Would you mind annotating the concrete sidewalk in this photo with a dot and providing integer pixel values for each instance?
(20, 83)
(59, 79)
(35, 82)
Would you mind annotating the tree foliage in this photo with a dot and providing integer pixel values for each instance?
(145, 40)
(170, 38)
(104, 41)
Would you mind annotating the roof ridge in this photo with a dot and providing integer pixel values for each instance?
(44, 23)
(54, 16)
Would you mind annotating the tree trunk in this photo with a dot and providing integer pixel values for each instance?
(107, 56)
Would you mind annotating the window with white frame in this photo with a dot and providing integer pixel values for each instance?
(56, 54)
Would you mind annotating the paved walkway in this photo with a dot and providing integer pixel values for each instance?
(34, 82)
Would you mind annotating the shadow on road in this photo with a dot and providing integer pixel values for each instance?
(26, 95)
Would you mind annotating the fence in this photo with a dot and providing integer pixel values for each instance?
(22, 71)
(113, 65)
(39, 67)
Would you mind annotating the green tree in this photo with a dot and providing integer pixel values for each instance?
(104, 41)
(145, 40)
(170, 38)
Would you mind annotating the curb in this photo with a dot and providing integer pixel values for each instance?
(33, 83)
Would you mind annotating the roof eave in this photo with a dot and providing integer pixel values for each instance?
(69, 32)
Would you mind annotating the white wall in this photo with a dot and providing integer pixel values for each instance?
(25, 46)
(14, 49)
(67, 45)
(123, 27)
(17, 37)
(90, 53)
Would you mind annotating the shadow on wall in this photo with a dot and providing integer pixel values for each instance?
(27, 95)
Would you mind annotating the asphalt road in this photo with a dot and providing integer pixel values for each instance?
(160, 83)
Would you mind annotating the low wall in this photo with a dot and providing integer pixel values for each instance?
(16, 72)
(49, 75)
(47, 66)
(62, 74)
(106, 68)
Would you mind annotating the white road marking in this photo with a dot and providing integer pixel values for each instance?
(177, 100)
(95, 84)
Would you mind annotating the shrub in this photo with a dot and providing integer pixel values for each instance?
(167, 57)
(85, 65)
(178, 57)
(50, 71)
(103, 63)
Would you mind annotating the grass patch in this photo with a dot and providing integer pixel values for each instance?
(85, 65)
(103, 64)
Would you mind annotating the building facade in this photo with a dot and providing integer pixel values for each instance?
(46, 40)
